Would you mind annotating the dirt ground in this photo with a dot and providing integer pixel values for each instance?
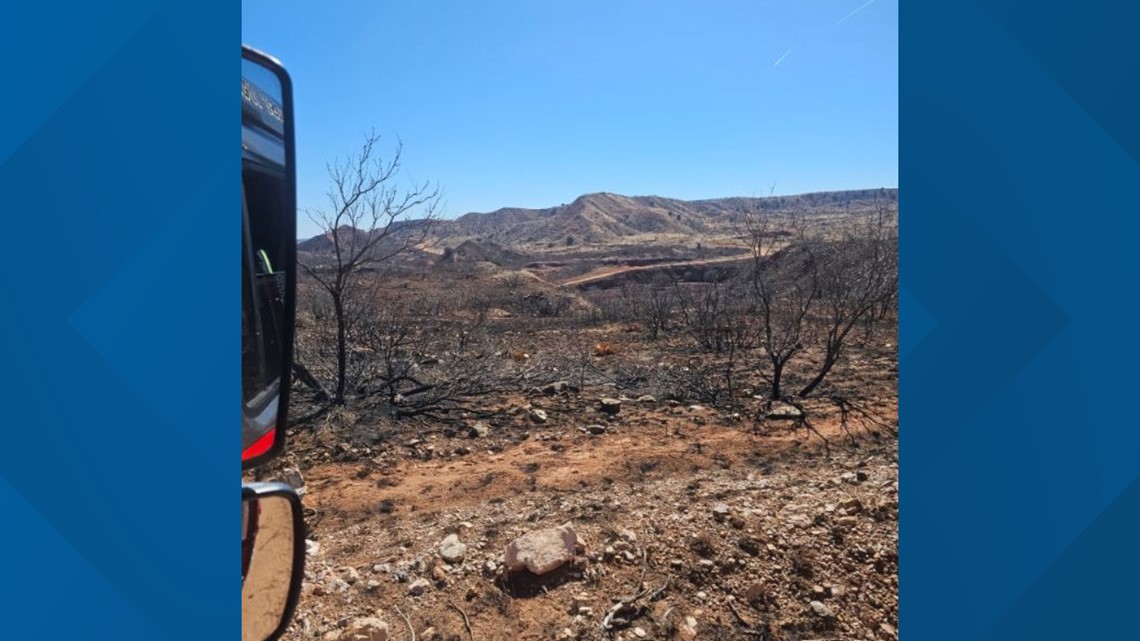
(722, 526)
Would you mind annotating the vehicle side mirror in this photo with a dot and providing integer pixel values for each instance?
(272, 559)
(269, 254)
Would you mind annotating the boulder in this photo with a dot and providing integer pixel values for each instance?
(542, 551)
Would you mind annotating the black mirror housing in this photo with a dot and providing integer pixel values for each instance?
(269, 261)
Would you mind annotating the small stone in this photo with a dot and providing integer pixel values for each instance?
(418, 587)
(350, 575)
(366, 629)
(702, 595)
(821, 610)
(312, 548)
(291, 476)
(596, 429)
(538, 416)
(610, 406)
(439, 575)
(647, 399)
(721, 512)
(639, 633)
(785, 412)
(451, 549)
(372, 585)
(479, 429)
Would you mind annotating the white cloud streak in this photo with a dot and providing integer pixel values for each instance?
(861, 7)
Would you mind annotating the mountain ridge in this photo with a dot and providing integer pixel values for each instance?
(601, 218)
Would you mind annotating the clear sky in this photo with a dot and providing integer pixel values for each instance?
(531, 103)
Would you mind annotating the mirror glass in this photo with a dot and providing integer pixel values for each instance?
(268, 553)
(268, 250)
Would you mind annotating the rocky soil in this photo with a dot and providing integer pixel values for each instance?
(678, 522)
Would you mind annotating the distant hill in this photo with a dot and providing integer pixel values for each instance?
(475, 251)
(503, 235)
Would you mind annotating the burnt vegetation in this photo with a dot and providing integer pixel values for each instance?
(393, 323)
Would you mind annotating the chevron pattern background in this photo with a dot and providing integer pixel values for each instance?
(118, 174)
(1020, 452)
(1020, 446)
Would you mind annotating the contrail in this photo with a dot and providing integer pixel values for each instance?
(785, 55)
(861, 7)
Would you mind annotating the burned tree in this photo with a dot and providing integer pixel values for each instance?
(857, 276)
(366, 223)
(783, 284)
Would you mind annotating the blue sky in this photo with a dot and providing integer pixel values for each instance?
(531, 104)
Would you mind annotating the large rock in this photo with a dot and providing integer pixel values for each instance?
(609, 406)
(366, 629)
(452, 550)
(542, 551)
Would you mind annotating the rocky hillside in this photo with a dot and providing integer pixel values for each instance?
(604, 219)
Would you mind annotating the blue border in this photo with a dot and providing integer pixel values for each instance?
(1020, 452)
(118, 178)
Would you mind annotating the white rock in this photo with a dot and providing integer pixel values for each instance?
(821, 610)
(542, 551)
(366, 629)
(452, 550)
